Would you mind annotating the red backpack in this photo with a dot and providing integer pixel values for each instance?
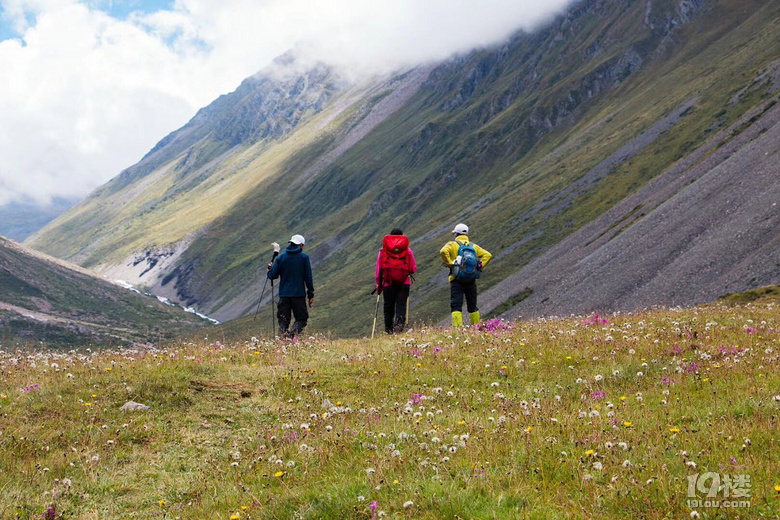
(395, 259)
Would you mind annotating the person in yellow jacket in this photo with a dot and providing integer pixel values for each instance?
(461, 288)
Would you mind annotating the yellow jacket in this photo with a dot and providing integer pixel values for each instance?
(450, 252)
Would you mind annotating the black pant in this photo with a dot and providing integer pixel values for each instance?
(294, 306)
(395, 307)
(460, 289)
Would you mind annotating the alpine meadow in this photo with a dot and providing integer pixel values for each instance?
(264, 317)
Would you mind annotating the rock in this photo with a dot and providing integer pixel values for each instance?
(132, 406)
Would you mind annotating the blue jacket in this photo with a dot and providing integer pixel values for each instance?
(294, 267)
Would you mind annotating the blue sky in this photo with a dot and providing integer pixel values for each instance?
(119, 9)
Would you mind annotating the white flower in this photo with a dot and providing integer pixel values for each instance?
(396, 453)
(370, 471)
(303, 447)
(616, 373)
(435, 440)
(494, 384)
(290, 463)
(361, 498)
(691, 464)
(623, 446)
(304, 426)
(695, 514)
(599, 377)
(595, 413)
(639, 374)
(627, 463)
(579, 380)
(236, 455)
(408, 504)
(453, 449)
(598, 466)
(234, 464)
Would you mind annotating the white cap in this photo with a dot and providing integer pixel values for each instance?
(298, 240)
(461, 229)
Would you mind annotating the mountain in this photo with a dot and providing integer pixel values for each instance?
(45, 300)
(602, 159)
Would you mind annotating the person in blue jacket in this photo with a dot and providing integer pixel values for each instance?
(294, 268)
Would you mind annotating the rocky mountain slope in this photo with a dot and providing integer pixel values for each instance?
(46, 300)
(588, 132)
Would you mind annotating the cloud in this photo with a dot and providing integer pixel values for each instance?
(86, 95)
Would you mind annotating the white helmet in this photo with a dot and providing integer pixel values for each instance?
(461, 229)
(298, 240)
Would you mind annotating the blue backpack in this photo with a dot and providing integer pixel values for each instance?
(469, 268)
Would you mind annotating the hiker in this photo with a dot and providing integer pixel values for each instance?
(294, 269)
(465, 261)
(394, 267)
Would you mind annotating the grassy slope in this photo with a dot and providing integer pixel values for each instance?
(80, 308)
(485, 424)
(454, 143)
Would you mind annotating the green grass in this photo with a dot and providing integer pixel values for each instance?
(503, 424)
(769, 292)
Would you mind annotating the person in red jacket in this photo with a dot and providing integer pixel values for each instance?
(394, 267)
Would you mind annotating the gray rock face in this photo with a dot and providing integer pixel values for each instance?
(132, 406)
(707, 226)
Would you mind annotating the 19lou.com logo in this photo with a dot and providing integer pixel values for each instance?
(715, 490)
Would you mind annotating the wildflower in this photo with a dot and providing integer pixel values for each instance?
(395, 482)
(235, 516)
(278, 474)
(627, 463)
(589, 453)
(695, 514)
(598, 466)
(162, 503)
(674, 430)
(777, 488)
(599, 377)
(628, 424)
(408, 504)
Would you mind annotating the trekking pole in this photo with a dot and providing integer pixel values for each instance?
(376, 313)
(273, 259)
(273, 311)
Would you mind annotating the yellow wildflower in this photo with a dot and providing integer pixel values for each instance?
(589, 453)
(628, 424)
(674, 430)
(278, 474)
